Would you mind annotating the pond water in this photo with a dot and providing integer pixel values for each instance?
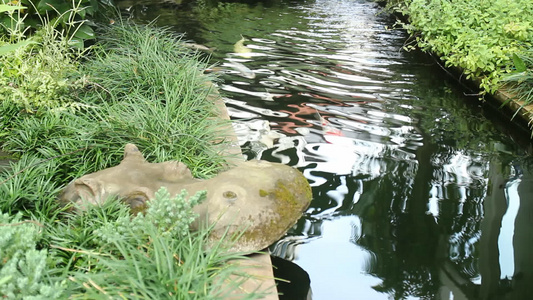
(418, 190)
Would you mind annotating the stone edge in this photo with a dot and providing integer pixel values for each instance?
(259, 267)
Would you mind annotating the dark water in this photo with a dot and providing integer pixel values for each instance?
(419, 191)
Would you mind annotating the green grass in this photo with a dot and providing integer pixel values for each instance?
(142, 87)
(139, 86)
(520, 82)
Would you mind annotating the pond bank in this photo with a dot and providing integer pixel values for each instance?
(258, 268)
(474, 40)
(502, 102)
(134, 99)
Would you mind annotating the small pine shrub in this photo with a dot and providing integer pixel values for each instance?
(168, 216)
(23, 268)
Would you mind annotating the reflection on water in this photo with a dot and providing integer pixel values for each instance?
(416, 193)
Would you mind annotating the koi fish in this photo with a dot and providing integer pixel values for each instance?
(242, 69)
(241, 49)
(328, 129)
(199, 47)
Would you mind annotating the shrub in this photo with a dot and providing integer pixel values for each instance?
(40, 74)
(23, 268)
(478, 36)
(70, 17)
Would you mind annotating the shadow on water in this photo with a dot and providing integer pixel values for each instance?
(419, 191)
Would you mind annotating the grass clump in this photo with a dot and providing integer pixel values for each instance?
(140, 86)
(105, 253)
(168, 264)
(157, 97)
(520, 82)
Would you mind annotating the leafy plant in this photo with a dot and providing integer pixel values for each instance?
(170, 216)
(143, 87)
(70, 17)
(105, 253)
(478, 36)
(4, 49)
(40, 73)
(146, 89)
(143, 257)
(520, 82)
(23, 268)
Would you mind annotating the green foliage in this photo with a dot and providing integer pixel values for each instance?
(23, 268)
(173, 216)
(478, 36)
(169, 217)
(149, 90)
(108, 254)
(28, 188)
(67, 16)
(159, 267)
(4, 49)
(105, 253)
(217, 9)
(142, 87)
(39, 72)
(520, 82)
(9, 8)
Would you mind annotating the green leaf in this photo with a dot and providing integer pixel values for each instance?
(5, 279)
(107, 2)
(84, 32)
(55, 5)
(12, 47)
(4, 8)
(76, 43)
(519, 63)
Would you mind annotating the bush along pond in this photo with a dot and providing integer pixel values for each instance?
(418, 190)
(487, 42)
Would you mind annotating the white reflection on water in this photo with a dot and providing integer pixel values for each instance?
(505, 239)
(334, 255)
